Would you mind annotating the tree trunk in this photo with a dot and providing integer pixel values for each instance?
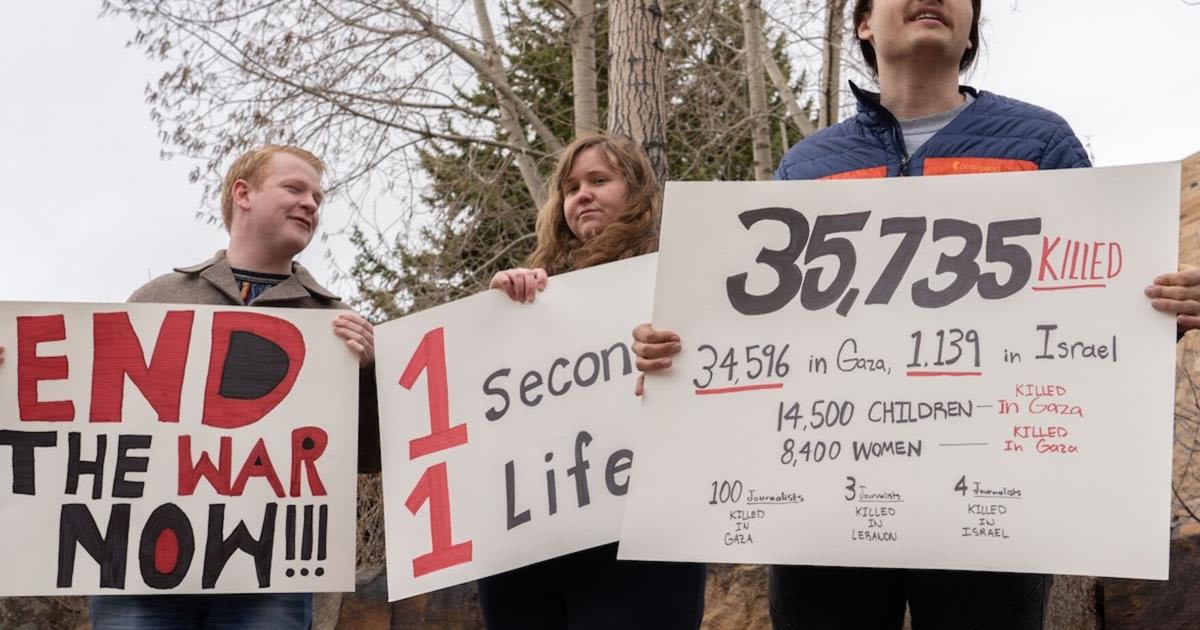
(583, 66)
(795, 112)
(636, 103)
(831, 62)
(508, 112)
(760, 126)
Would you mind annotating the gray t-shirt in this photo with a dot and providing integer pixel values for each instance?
(919, 130)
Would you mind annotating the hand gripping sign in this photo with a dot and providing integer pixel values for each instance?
(942, 372)
(180, 449)
(506, 428)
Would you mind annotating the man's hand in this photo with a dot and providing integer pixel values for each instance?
(521, 285)
(358, 334)
(1178, 294)
(654, 349)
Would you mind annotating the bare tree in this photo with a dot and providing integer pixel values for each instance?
(796, 113)
(831, 62)
(818, 34)
(1185, 482)
(583, 65)
(636, 107)
(509, 103)
(457, 106)
(760, 126)
(362, 82)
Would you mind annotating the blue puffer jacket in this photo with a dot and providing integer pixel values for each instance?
(992, 134)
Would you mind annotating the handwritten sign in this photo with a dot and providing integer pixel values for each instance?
(941, 372)
(507, 428)
(180, 449)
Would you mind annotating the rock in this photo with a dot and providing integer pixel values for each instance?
(1130, 604)
(1073, 604)
(367, 608)
(39, 613)
(326, 610)
(454, 608)
(735, 598)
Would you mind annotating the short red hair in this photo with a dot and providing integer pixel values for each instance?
(250, 167)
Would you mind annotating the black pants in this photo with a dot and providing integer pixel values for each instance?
(841, 598)
(591, 589)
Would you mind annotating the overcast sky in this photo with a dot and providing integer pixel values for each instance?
(90, 212)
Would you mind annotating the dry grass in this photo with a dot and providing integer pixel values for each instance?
(371, 551)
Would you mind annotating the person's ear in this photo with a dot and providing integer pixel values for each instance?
(241, 194)
(864, 29)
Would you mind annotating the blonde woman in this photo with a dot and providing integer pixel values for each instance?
(603, 206)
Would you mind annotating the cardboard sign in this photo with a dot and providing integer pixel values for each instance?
(175, 449)
(507, 427)
(941, 372)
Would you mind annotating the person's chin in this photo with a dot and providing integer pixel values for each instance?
(934, 38)
(296, 242)
(584, 230)
(592, 230)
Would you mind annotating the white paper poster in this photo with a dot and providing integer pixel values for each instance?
(942, 372)
(507, 428)
(175, 449)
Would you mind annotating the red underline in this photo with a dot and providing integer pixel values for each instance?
(1064, 287)
(743, 388)
(917, 373)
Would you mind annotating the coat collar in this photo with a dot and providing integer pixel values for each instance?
(217, 272)
(871, 112)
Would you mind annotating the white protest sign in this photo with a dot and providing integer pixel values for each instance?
(175, 449)
(941, 372)
(507, 428)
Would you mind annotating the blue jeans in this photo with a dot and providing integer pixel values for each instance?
(265, 611)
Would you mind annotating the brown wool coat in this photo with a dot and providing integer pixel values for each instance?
(212, 282)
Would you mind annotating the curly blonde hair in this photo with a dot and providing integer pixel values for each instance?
(631, 233)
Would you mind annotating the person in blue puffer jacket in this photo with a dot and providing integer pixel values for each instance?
(923, 122)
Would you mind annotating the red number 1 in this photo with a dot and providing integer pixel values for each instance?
(430, 357)
(434, 488)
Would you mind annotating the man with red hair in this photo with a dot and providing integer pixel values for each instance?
(270, 203)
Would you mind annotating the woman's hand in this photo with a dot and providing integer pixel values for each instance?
(654, 349)
(521, 285)
(1178, 294)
